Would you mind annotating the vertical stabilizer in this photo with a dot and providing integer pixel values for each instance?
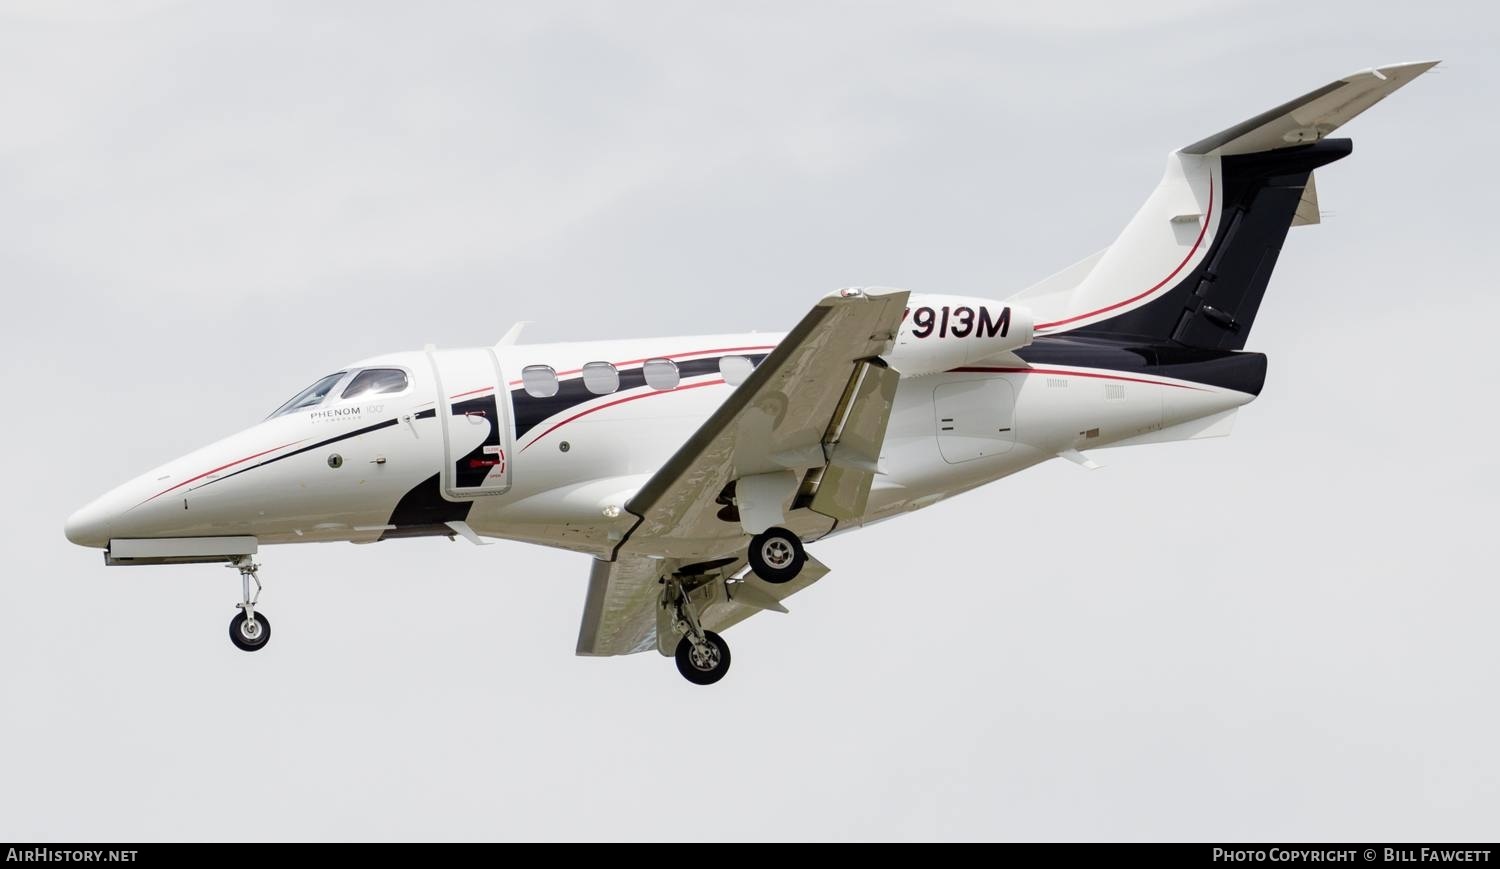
(1192, 266)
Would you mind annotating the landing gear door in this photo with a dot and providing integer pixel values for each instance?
(473, 411)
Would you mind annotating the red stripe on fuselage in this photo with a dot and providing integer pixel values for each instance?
(1207, 218)
(618, 401)
(470, 392)
(666, 356)
(966, 370)
(220, 468)
(1064, 372)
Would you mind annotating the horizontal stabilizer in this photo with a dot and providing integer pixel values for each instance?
(1313, 115)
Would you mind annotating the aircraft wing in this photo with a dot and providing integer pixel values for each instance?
(779, 419)
(817, 401)
(619, 614)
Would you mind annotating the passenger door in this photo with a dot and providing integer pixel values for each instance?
(473, 411)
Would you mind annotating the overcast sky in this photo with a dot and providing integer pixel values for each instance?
(1286, 634)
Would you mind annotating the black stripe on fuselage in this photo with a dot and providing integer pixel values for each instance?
(1214, 305)
(531, 411)
(1226, 369)
(297, 452)
(424, 512)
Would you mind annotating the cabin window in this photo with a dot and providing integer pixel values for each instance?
(735, 369)
(313, 395)
(661, 374)
(540, 381)
(375, 381)
(601, 378)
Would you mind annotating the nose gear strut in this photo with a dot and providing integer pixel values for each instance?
(250, 631)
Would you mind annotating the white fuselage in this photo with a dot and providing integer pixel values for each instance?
(559, 470)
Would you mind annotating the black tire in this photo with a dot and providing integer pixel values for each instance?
(703, 672)
(776, 555)
(250, 644)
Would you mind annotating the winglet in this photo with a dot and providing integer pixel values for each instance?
(1313, 115)
(513, 335)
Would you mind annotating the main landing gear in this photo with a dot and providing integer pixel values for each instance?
(249, 630)
(776, 555)
(702, 656)
(704, 663)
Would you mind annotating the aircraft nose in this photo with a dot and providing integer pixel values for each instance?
(89, 526)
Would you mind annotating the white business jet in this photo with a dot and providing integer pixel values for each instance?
(694, 471)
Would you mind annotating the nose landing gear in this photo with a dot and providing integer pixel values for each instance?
(250, 630)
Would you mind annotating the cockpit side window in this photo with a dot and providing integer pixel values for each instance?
(310, 396)
(375, 381)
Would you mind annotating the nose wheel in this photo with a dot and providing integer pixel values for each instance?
(250, 630)
(250, 634)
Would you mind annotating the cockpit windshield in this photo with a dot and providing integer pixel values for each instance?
(375, 381)
(310, 396)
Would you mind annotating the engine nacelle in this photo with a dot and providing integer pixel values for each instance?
(944, 332)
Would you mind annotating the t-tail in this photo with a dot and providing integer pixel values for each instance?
(1188, 273)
